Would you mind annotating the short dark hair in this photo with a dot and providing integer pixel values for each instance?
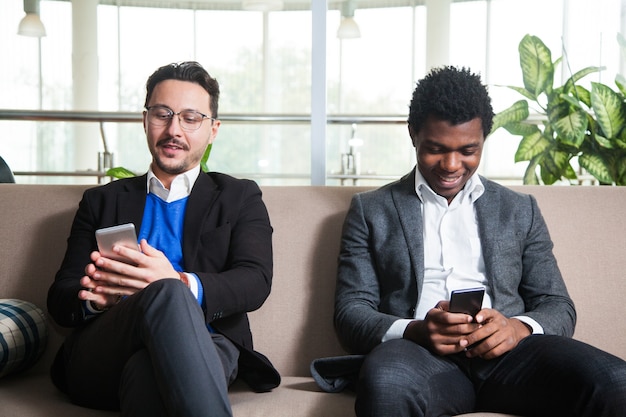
(186, 71)
(452, 94)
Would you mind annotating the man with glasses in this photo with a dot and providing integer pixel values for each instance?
(165, 331)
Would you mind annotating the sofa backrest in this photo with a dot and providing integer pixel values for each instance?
(294, 326)
(587, 225)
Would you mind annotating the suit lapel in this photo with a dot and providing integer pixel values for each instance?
(409, 210)
(131, 202)
(201, 199)
(488, 210)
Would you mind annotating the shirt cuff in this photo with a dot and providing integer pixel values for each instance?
(193, 283)
(89, 310)
(396, 331)
(195, 286)
(536, 327)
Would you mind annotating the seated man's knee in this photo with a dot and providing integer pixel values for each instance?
(401, 378)
(166, 289)
(388, 382)
(166, 297)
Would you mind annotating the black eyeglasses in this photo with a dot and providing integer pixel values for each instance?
(188, 119)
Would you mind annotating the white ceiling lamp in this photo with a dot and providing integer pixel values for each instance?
(348, 29)
(31, 24)
(262, 5)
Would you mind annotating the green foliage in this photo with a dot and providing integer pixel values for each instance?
(120, 172)
(204, 162)
(575, 122)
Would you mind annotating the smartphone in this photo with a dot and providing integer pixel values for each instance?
(468, 301)
(123, 235)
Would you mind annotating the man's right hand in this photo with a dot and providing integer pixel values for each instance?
(441, 331)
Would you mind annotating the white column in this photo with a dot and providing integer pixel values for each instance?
(85, 82)
(318, 93)
(437, 33)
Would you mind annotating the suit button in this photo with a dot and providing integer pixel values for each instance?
(412, 313)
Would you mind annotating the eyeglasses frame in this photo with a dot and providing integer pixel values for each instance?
(172, 114)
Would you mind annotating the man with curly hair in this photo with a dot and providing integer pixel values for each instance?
(407, 245)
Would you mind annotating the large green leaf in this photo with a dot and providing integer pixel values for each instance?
(204, 161)
(572, 100)
(516, 113)
(597, 167)
(604, 142)
(620, 82)
(570, 173)
(571, 128)
(621, 171)
(554, 166)
(621, 143)
(120, 172)
(531, 146)
(583, 95)
(530, 175)
(536, 64)
(571, 82)
(523, 92)
(608, 108)
(521, 128)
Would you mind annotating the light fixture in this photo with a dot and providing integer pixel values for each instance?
(262, 5)
(348, 29)
(31, 24)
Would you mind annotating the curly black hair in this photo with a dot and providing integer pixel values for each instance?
(452, 94)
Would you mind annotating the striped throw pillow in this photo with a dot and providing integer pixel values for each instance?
(23, 335)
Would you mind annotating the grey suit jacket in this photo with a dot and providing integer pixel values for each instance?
(381, 263)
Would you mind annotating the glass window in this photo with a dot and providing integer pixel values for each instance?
(263, 63)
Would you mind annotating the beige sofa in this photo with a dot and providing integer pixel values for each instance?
(588, 226)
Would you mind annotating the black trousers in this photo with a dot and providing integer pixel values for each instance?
(543, 376)
(150, 355)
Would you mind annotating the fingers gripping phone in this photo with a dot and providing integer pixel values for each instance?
(122, 235)
(468, 301)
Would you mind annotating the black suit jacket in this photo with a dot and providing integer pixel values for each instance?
(227, 243)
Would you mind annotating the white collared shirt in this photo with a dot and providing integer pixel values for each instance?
(180, 188)
(453, 256)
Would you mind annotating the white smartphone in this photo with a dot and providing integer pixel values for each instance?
(123, 235)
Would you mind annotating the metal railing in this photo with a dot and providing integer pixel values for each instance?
(125, 117)
(136, 117)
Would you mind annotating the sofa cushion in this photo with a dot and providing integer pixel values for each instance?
(23, 335)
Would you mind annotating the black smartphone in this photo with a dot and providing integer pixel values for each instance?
(123, 235)
(468, 301)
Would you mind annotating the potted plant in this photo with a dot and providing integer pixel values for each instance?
(573, 122)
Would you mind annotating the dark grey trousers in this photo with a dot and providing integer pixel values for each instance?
(542, 376)
(151, 355)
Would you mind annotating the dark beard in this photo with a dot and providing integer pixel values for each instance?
(171, 170)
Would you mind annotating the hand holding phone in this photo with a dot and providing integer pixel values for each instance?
(467, 301)
(122, 235)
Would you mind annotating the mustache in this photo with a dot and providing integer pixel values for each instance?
(172, 141)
